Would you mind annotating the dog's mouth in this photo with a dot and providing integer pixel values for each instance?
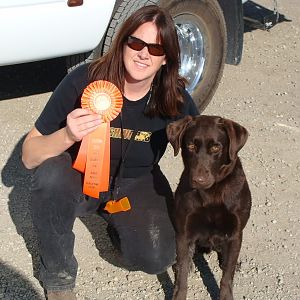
(199, 182)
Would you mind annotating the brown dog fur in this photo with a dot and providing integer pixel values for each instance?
(213, 200)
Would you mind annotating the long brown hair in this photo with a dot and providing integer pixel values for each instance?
(168, 85)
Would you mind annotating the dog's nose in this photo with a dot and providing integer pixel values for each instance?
(198, 179)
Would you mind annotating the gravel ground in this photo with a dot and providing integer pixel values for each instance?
(262, 93)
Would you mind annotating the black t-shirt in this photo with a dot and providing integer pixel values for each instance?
(148, 145)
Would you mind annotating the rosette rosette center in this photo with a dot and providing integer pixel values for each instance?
(103, 98)
(102, 102)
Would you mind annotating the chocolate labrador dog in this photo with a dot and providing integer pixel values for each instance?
(213, 200)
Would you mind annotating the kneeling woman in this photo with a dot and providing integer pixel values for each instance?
(143, 63)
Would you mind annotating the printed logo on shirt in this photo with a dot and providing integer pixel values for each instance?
(141, 136)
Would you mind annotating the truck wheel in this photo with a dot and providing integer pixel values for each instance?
(202, 37)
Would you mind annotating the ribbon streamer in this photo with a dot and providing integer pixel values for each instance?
(93, 158)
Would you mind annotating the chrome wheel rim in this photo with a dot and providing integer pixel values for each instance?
(192, 54)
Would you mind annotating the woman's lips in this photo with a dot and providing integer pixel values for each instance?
(140, 64)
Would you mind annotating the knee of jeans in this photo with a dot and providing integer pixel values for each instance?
(55, 174)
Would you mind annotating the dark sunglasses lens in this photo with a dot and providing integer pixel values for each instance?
(135, 45)
(156, 50)
(138, 45)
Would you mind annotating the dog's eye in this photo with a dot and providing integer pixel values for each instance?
(191, 147)
(215, 149)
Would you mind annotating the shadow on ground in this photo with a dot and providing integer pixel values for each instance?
(206, 279)
(15, 175)
(13, 285)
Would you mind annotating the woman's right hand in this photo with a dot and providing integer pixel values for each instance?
(81, 122)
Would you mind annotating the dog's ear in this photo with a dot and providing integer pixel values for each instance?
(237, 137)
(175, 132)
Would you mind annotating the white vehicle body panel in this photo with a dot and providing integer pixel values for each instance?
(43, 29)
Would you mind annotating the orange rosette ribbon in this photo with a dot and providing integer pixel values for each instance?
(93, 158)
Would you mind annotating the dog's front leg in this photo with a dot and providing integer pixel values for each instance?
(182, 267)
(230, 254)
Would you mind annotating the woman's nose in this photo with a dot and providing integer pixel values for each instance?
(144, 53)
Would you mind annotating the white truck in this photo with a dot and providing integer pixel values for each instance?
(210, 34)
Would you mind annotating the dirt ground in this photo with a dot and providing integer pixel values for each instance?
(262, 93)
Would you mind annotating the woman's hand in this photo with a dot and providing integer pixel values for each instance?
(81, 122)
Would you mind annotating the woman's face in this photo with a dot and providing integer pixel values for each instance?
(141, 66)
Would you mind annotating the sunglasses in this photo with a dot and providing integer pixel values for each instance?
(137, 45)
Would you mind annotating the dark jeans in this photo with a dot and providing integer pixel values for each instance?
(146, 235)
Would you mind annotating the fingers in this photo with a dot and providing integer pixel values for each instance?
(79, 112)
(81, 122)
(86, 120)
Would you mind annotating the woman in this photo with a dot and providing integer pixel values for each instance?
(143, 63)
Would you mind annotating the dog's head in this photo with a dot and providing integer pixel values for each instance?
(209, 147)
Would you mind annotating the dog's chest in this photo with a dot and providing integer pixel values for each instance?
(211, 226)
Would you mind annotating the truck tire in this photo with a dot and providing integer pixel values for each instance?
(202, 37)
(75, 60)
